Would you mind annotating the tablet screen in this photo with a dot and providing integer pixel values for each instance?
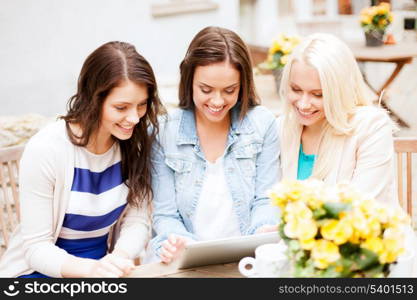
(224, 250)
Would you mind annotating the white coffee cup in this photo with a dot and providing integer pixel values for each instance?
(270, 261)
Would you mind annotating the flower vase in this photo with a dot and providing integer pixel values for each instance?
(374, 38)
(277, 77)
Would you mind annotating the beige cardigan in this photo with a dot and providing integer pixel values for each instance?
(46, 175)
(365, 159)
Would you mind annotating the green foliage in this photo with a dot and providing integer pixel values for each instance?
(334, 208)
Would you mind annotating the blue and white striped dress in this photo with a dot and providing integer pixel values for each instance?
(98, 197)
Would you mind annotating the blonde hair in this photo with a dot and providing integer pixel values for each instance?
(343, 90)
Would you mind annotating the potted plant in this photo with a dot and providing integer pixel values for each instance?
(278, 55)
(374, 21)
(336, 231)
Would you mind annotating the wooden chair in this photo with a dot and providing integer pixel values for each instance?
(9, 195)
(405, 147)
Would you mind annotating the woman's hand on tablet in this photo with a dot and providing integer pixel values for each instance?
(172, 248)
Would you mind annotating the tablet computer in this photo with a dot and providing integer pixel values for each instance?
(224, 250)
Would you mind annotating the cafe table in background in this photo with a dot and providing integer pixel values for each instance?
(399, 54)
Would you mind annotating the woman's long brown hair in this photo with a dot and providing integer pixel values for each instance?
(106, 68)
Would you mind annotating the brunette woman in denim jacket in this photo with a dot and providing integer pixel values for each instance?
(217, 154)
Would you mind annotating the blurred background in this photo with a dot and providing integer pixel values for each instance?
(44, 43)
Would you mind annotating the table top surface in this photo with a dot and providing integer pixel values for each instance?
(384, 53)
(160, 270)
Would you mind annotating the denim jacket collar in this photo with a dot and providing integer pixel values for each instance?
(187, 131)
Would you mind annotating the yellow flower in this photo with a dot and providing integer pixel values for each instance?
(286, 47)
(355, 237)
(382, 9)
(382, 22)
(364, 226)
(390, 18)
(284, 59)
(383, 13)
(301, 229)
(359, 223)
(290, 229)
(347, 194)
(307, 229)
(299, 210)
(339, 268)
(338, 231)
(293, 191)
(365, 19)
(324, 253)
(299, 222)
(312, 193)
(373, 10)
(381, 213)
(275, 47)
(392, 249)
(367, 206)
(283, 45)
(307, 244)
(278, 195)
(374, 227)
(374, 244)
(278, 200)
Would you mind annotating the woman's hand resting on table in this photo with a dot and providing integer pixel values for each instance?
(116, 264)
(111, 265)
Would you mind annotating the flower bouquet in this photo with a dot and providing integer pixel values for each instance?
(278, 55)
(335, 231)
(374, 20)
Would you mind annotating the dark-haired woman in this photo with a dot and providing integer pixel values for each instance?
(217, 155)
(85, 176)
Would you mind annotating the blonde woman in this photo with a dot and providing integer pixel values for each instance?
(330, 130)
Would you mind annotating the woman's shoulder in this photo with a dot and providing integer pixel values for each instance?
(371, 119)
(53, 135)
(170, 122)
(367, 115)
(261, 118)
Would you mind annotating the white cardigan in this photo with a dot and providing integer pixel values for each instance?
(365, 159)
(45, 179)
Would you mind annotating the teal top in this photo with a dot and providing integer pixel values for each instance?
(305, 164)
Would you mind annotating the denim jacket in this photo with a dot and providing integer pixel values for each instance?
(251, 166)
